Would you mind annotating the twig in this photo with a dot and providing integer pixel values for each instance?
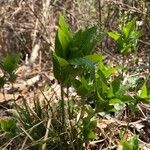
(46, 134)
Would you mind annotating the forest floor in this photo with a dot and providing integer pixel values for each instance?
(39, 82)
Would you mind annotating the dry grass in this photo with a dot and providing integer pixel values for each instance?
(26, 24)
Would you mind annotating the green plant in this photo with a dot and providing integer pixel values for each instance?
(74, 64)
(8, 65)
(29, 128)
(31, 121)
(127, 37)
(70, 51)
(8, 125)
(127, 40)
(71, 56)
(130, 144)
(144, 91)
(88, 124)
(72, 122)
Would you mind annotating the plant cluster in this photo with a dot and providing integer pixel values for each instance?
(100, 88)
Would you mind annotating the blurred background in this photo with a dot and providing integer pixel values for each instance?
(30, 25)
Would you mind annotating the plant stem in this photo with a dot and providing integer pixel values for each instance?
(62, 107)
(123, 65)
(149, 63)
(100, 20)
(12, 85)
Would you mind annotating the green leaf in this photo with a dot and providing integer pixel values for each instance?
(107, 70)
(126, 98)
(84, 63)
(83, 88)
(116, 84)
(122, 90)
(114, 87)
(143, 92)
(115, 101)
(88, 40)
(2, 82)
(88, 62)
(12, 78)
(91, 135)
(58, 47)
(127, 38)
(114, 35)
(88, 127)
(90, 111)
(101, 84)
(75, 46)
(64, 41)
(95, 58)
(61, 69)
(102, 104)
(92, 125)
(64, 25)
(62, 62)
(24, 113)
(134, 142)
(63, 38)
(126, 49)
(38, 108)
(148, 86)
(130, 27)
(110, 92)
(56, 68)
(131, 144)
(84, 42)
(136, 34)
(10, 62)
(8, 124)
(127, 146)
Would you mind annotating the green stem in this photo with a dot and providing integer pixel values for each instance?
(100, 20)
(62, 107)
(70, 123)
(123, 65)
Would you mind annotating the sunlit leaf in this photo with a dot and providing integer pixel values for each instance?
(115, 101)
(114, 35)
(143, 92)
(63, 38)
(130, 27)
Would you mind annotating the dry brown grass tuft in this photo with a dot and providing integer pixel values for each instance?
(26, 24)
